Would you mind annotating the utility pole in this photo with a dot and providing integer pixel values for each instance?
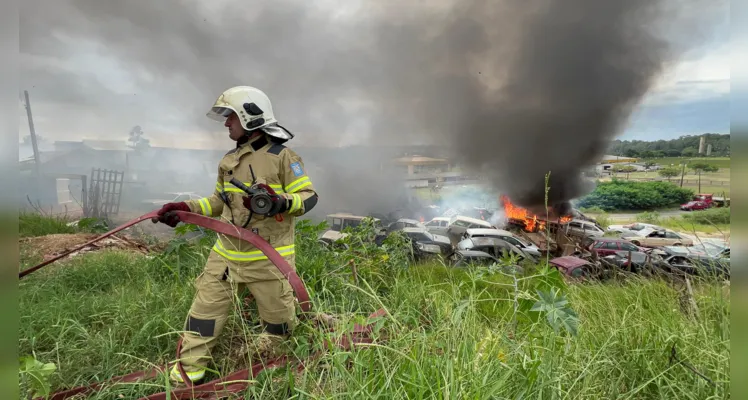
(682, 174)
(33, 133)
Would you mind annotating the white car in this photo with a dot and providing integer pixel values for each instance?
(459, 224)
(438, 225)
(578, 227)
(631, 228)
(503, 235)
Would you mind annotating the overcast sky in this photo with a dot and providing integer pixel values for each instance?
(95, 70)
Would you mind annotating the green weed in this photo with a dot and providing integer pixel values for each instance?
(448, 333)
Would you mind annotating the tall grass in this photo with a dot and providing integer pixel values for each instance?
(33, 224)
(449, 333)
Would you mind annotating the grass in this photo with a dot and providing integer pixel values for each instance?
(32, 224)
(449, 333)
(721, 162)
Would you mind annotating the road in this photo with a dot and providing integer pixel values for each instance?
(632, 216)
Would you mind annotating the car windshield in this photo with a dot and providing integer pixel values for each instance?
(428, 235)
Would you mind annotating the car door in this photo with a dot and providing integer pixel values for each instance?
(608, 248)
(629, 247)
(655, 239)
(458, 228)
(437, 227)
(671, 238)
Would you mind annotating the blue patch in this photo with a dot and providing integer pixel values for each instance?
(297, 171)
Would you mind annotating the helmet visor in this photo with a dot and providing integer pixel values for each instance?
(219, 113)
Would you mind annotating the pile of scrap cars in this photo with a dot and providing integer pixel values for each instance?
(579, 248)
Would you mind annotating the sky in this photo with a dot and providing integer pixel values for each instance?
(512, 89)
(83, 82)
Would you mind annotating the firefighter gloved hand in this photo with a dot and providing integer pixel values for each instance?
(166, 216)
(280, 204)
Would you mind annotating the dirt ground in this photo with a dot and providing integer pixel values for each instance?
(50, 246)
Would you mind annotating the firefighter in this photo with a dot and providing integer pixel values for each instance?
(261, 158)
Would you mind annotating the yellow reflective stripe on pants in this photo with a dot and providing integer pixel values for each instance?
(295, 203)
(229, 187)
(205, 206)
(255, 255)
(298, 184)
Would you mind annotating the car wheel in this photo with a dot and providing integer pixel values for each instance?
(635, 243)
(677, 244)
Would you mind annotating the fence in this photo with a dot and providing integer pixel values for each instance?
(690, 182)
(104, 193)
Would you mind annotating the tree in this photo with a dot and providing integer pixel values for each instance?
(703, 167)
(626, 169)
(689, 152)
(673, 153)
(136, 138)
(669, 172)
(649, 164)
(647, 154)
(631, 153)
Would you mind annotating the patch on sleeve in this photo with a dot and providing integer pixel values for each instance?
(297, 171)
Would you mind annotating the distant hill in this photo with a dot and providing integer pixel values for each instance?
(687, 145)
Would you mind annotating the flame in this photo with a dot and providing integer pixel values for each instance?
(532, 223)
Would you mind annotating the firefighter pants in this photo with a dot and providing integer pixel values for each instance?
(217, 288)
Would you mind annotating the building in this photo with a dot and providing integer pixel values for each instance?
(415, 165)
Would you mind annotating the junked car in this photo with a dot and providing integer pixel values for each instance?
(426, 243)
(496, 247)
(403, 223)
(340, 221)
(631, 228)
(692, 262)
(503, 235)
(464, 258)
(582, 228)
(658, 237)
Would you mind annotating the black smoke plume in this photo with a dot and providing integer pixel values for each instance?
(515, 89)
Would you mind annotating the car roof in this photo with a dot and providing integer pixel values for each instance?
(348, 216)
(474, 253)
(414, 230)
(487, 241)
(408, 220)
(440, 219)
(470, 219)
(473, 231)
(611, 239)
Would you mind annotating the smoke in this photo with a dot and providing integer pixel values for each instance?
(514, 89)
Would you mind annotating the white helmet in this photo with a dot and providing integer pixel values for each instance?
(253, 108)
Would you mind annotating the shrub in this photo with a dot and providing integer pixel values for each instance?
(711, 216)
(649, 217)
(628, 195)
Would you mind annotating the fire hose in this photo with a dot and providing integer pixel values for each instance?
(233, 382)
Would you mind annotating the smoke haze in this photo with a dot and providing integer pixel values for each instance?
(515, 89)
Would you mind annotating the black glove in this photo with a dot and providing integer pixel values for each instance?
(166, 216)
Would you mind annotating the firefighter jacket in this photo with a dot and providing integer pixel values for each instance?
(258, 161)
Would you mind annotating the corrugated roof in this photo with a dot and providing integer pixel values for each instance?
(117, 145)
